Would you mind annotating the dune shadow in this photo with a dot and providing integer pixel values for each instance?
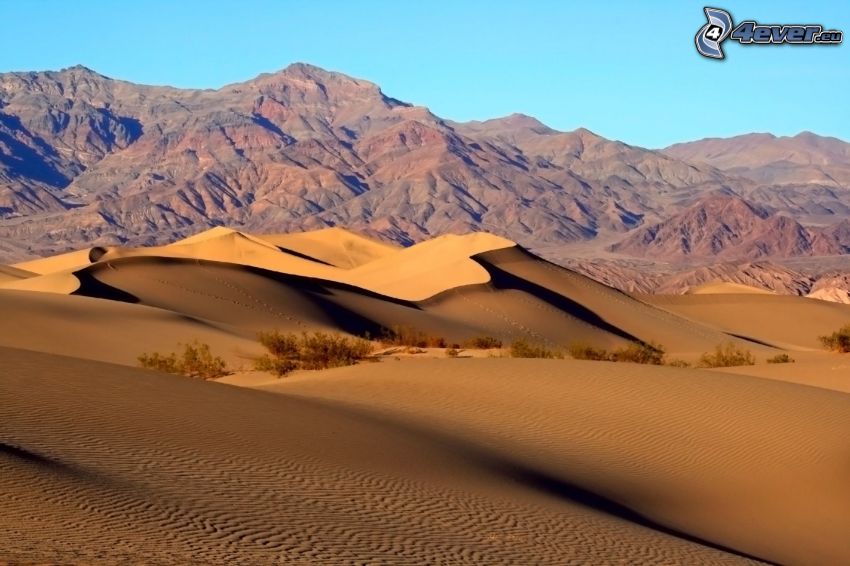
(516, 471)
(502, 279)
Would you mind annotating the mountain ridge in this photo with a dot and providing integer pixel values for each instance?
(90, 160)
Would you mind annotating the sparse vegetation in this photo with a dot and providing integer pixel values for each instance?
(635, 353)
(196, 360)
(483, 343)
(523, 349)
(316, 350)
(640, 353)
(781, 359)
(838, 341)
(726, 355)
(582, 351)
(678, 364)
(412, 337)
(452, 352)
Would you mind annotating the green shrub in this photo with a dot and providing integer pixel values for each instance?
(640, 353)
(317, 350)
(838, 341)
(781, 359)
(195, 361)
(411, 337)
(726, 355)
(582, 351)
(483, 343)
(523, 349)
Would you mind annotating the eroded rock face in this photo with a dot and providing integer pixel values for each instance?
(87, 161)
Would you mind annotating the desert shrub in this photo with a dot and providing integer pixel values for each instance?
(196, 360)
(781, 359)
(678, 364)
(274, 365)
(412, 337)
(159, 362)
(483, 343)
(726, 355)
(582, 351)
(640, 353)
(838, 341)
(321, 350)
(452, 352)
(523, 349)
(316, 350)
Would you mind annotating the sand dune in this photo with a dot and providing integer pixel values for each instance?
(431, 267)
(334, 246)
(111, 331)
(52, 264)
(610, 308)
(726, 288)
(788, 322)
(453, 286)
(754, 465)
(9, 273)
(416, 461)
(150, 468)
(461, 461)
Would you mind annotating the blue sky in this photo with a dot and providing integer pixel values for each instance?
(627, 70)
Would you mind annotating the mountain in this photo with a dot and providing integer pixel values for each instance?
(87, 159)
(806, 158)
(724, 226)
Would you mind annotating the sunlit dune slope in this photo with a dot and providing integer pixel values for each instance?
(104, 464)
(792, 322)
(755, 465)
(335, 246)
(111, 331)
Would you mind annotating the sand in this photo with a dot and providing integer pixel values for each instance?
(463, 461)
(794, 323)
(9, 273)
(417, 459)
(334, 246)
(727, 288)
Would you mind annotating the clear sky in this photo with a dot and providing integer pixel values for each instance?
(625, 69)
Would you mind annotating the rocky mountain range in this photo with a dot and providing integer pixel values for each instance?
(89, 160)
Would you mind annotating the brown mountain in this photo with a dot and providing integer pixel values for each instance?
(87, 159)
(803, 159)
(728, 227)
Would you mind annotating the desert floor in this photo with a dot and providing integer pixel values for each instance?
(416, 458)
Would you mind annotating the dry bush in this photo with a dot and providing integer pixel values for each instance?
(483, 343)
(452, 352)
(726, 355)
(640, 353)
(838, 341)
(781, 359)
(412, 337)
(196, 360)
(523, 349)
(316, 350)
(678, 364)
(582, 351)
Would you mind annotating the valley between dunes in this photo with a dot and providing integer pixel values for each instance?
(417, 458)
